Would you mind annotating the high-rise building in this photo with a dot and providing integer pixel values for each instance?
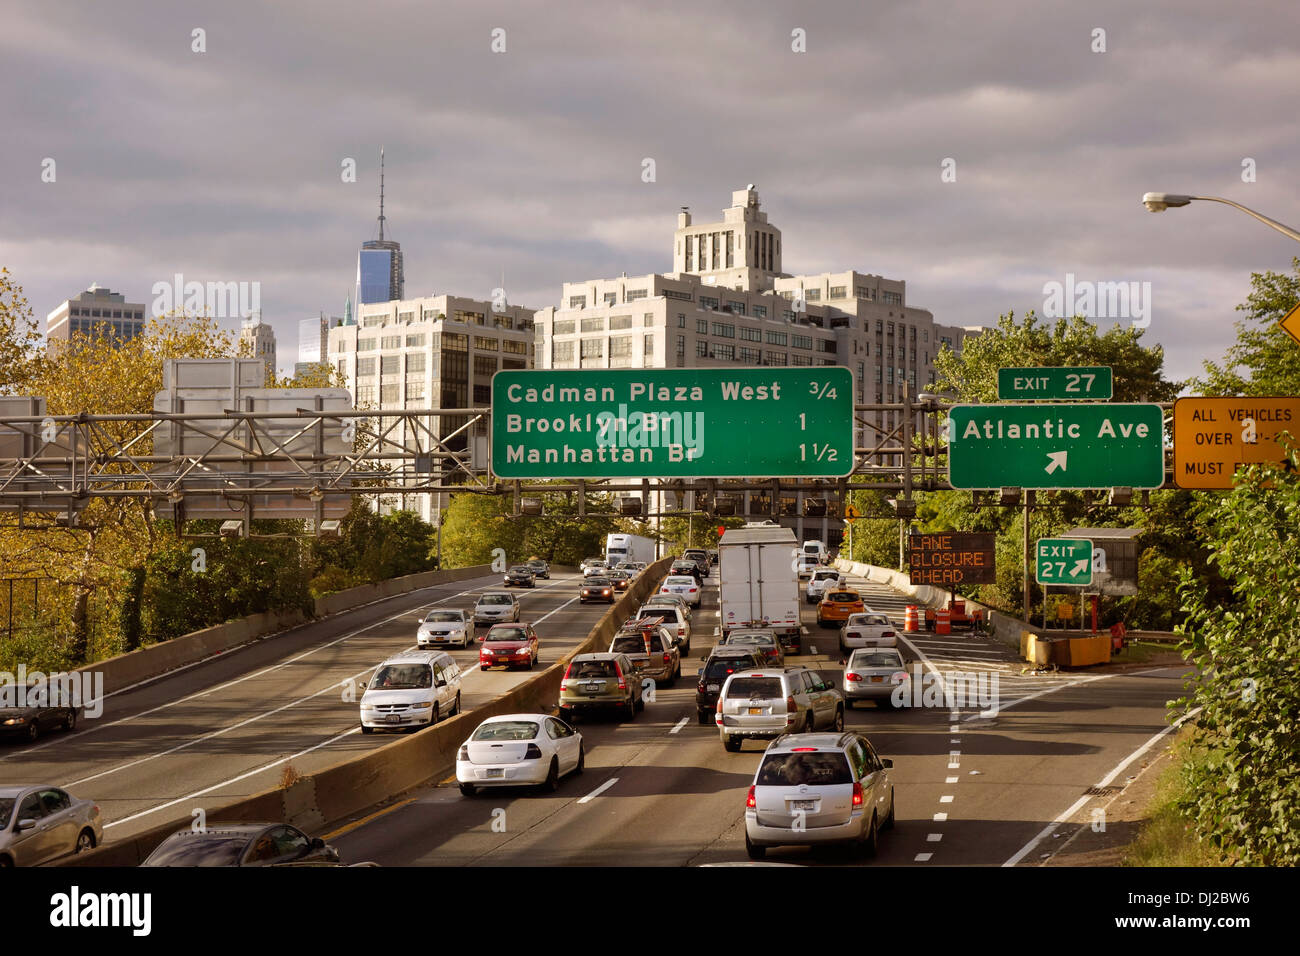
(728, 304)
(313, 341)
(97, 310)
(380, 274)
(434, 352)
(261, 341)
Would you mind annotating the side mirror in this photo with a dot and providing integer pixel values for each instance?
(26, 823)
(704, 657)
(887, 763)
(699, 672)
(843, 662)
(441, 683)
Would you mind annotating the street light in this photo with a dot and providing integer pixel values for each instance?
(1159, 202)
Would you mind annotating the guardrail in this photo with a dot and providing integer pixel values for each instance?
(350, 786)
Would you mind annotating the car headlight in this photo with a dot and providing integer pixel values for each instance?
(367, 706)
(422, 704)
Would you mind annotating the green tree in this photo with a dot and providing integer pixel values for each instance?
(1247, 678)
(1264, 360)
(19, 339)
(474, 525)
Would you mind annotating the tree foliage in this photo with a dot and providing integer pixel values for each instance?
(1264, 360)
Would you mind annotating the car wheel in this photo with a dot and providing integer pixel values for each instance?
(889, 820)
(566, 716)
(467, 789)
(85, 840)
(870, 842)
(582, 759)
(809, 723)
(839, 720)
(455, 710)
(367, 730)
(70, 722)
(629, 709)
(704, 716)
(552, 777)
(435, 716)
(483, 667)
(732, 744)
(850, 703)
(753, 851)
(32, 732)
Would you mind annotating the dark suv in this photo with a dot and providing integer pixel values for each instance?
(687, 566)
(719, 664)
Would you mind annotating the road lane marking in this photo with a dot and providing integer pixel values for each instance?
(923, 857)
(940, 818)
(599, 790)
(680, 724)
(1105, 782)
(951, 779)
(933, 837)
(366, 819)
(226, 783)
(946, 799)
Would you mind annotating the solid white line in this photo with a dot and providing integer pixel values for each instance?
(1078, 804)
(218, 786)
(599, 790)
(680, 724)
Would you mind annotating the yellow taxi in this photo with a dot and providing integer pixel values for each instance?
(836, 606)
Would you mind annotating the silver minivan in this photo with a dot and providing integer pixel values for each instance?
(819, 789)
(411, 690)
(764, 703)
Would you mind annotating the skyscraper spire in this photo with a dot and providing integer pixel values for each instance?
(381, 193)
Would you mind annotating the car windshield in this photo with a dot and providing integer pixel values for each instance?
(877, 659)
(582, 669)
(491, 600)
(402, 677)
(818, 769)
(505, 634)
(538, 563)
(628, 644)
(506, 730)
(825, 576)
(6, 808)
(720, 667)
(199, 850)
(841, 597)
(444, 617)
(522, 569)
(755, 688)
(595, 582)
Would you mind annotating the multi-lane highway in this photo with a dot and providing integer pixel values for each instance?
(227, 727)
(972, 789)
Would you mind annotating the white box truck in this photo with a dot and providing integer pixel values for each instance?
(628, 547)
(759, 580)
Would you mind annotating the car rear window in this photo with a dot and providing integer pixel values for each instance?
(506, 730)
(631, 644)
(720, 667)
(819, 769)
(196, 850)
(877, 660)
(755, 688)
(667, 612)
(682, 580)
(581, 669)
(842, 596)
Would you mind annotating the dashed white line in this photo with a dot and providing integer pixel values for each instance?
(940, 817)
(951, 779)
(599, 790)
(679, 725)
(933, 837)
(923, 857)
(946, 799)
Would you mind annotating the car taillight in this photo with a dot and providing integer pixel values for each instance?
(533, 752)
(790, 706)
(750, 802)
(568, 672)
(692, 590)
(857, 794)
(852, 676)
(463, 754)
(888, 634)
(622, 681)
(899, 677)
(564, 685)
(668, 658)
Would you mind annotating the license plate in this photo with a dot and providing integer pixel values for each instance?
(593, 688)
(713, 687)
(877, 679)
(495, 772)
(756, 710)
(393, 718)
(803, 804)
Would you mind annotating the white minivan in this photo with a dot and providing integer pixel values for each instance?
(411, 690)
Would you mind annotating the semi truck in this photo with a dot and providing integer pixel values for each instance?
(628, 547)
(758, 571)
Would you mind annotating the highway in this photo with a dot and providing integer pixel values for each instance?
(227, 727)
(971, 789)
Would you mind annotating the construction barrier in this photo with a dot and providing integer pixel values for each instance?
(942, 621)
(911, 620)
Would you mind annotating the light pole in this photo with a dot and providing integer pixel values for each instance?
(1159, 202)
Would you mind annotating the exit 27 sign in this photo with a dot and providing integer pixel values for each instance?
(1066, 561)
(1055, 384)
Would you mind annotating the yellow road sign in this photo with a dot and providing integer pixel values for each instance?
(1213, 436)
(851, 512)
(1291, 324)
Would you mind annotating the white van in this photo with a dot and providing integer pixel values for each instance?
(411, 690)
(817, 549)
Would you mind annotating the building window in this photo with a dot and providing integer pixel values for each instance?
(371, 321)
(593, 325)
(701, 349)
(801, 360)
(674, 294)
(777, 338)
(562, 354)
(366, 366)
(391, 365)
(801, 341)
(577, 301)
(365, 395)
(758, 311)
(702, 326)
(731, 247)
(708, 302)
(389, 396)
(616, 322)
(724, 351)
(486, 344)
(889, 352)
(415, 341)
(611, 298)
(468, 318)
(690, 254)
(777, 358)
(787, 314)
(812, 295)
(455, 341)
(751, 335)
(502, 321)
(429, 314)
(365, 345)
(681, 320)
(749, 356)
(649, 346)
(681, 346)
(407, 317)
(593, 352)
(826, 345)
(415, 363)
(724, 330)
(485, 366)
(839, 292)
(635, 294)
(891, 298)
(414, 392)
(513, 347)
(390, 342)
(564, 326)
(737, 308)
(889, 375)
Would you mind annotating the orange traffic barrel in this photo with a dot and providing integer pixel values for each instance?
(910, 622)
(943, 621)
(958, 609)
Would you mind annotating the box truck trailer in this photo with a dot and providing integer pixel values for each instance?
(759, 580)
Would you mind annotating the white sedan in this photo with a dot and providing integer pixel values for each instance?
(517, 750)
(821, 579)
(445, 626)
(683, 586)
(868, 630)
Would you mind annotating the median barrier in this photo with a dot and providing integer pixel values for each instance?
(346, 788)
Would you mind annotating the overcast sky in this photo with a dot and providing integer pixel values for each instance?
(225, 165)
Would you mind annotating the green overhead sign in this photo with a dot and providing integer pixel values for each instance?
(666, 423)
(1066, 561)
(1055, 384)
(1055, 446)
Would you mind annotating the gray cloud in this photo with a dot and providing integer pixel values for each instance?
(225, 165)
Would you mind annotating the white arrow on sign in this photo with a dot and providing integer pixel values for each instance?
(1080, 566)
(1056, 460)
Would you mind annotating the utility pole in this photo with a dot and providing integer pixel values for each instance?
(1026, 494)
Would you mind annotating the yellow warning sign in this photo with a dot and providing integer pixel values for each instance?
(1291, 324)
(1214, 436)
(851, 512)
